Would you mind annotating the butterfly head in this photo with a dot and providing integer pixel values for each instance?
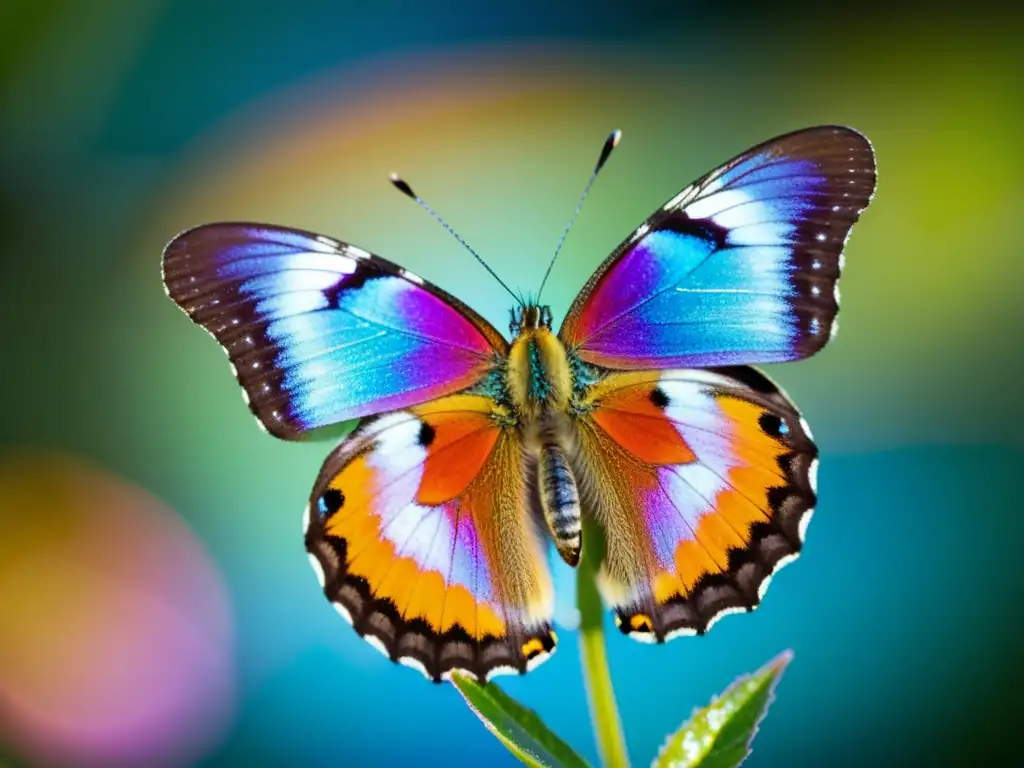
(529, 317)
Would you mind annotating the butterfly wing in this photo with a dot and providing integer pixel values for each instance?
(739, 268)
(419, 522)
(704, 483)
(319, 331)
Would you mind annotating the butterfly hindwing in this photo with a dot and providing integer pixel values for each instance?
(319, 331)
(420, 523)
(704, 483)
(741, 267)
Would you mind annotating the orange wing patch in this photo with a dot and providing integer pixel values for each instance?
(633, 419)
(458, 449)
(698, 535)
(419, 523)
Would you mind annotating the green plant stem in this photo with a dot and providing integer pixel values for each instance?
(604, 712)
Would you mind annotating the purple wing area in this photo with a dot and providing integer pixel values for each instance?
(319, 331)
(741, 267)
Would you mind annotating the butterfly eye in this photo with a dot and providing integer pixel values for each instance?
(330, 501)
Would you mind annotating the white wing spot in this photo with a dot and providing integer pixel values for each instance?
(683, 387)
(412, 277)
(807, 430)
(318, 569)
(763, 587)
(677, 200)
(502, 669)
(644, 637)
(724, 612)
(341, 609)
(356, 252)
(714, 205)
(804, 522)
(332, 243)
(539, 659)
(783, 562)
(409, 661)
(681, 632)
(377, 643)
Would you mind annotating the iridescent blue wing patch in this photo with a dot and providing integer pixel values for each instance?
(741, 267)
(319, 331)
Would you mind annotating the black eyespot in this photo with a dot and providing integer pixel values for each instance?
(659, 398)
(330, 501)
(427, 434)
(772, 425)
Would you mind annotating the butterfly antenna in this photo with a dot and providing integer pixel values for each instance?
(405, 189)
(609, 144)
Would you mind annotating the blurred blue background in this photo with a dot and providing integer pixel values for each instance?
(156, 606)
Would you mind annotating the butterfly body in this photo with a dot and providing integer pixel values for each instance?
(431, 524)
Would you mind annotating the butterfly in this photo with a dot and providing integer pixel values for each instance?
(431, 524)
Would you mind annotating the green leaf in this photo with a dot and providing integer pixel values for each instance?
(520, 729)
(719, 735)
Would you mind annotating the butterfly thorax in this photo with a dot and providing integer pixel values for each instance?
(539, 377)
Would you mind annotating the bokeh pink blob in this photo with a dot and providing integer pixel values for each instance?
(116, 638)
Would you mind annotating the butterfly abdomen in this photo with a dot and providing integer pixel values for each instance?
(560, 500)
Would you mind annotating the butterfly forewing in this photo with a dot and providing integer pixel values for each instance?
(319, 331)
(741, 267)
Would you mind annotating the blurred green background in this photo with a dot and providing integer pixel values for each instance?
(156, 607)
